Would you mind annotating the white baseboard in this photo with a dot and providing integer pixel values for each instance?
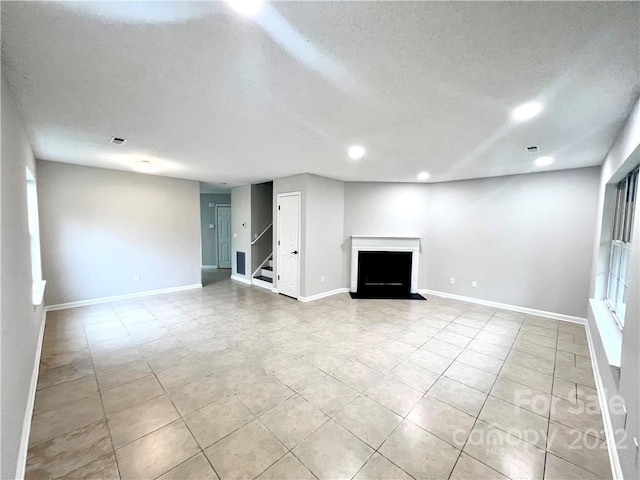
(31, 399)
(213, 267)
(241, 279)
(95, 301)
(616, 468)
(318, 296)
(506, 306)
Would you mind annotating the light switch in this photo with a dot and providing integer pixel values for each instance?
(211, 225)
(235, 235)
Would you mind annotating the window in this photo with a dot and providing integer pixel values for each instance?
(34, 235)
(626, 193)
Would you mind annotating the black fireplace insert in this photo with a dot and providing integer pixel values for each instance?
(384, 275)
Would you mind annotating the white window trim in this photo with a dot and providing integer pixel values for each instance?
(37, 292)
(621, 233)
(610, 332)
(38, 284)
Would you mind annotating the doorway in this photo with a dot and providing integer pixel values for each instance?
(223, 226)
(288, 244)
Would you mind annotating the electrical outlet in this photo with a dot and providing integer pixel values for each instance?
(321, 279)
(136, 278)
(452, 281)
(474, 284)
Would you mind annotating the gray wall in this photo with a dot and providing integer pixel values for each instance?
(622, 158)
(101, 227)
(382, 209)
(261, 207)
(321, 230)
(324, 234)
(526, 239)
(261, 217)
(20, 322)
(209, 236)
(241, 235)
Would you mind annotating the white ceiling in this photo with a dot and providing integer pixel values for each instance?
(213, 96)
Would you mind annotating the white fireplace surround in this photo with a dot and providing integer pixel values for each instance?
(371, 243)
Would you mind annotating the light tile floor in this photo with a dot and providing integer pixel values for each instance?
(235, 382)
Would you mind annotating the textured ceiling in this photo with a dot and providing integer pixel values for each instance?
(213, 96)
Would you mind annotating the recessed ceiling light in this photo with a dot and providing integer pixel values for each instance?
(424, 176)
(544, 161)
(526, 111)
(145, 166)
(246, 7)
(356, 152)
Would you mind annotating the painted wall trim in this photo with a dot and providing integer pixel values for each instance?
(318, 296)
(209, 266)
(506, 306)
(21, 467)
(38, 292)
(610, 333)
(616, 468)
(115, 298)
(241, 279)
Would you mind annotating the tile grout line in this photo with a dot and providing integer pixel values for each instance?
(377, 450)
(486, 398)
(426, 393)
(113, 449)
(485, 401)
(551, 403)
(103, 407)
(362, 394)
(574, 356)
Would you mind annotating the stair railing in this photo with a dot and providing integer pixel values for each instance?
(263, 232)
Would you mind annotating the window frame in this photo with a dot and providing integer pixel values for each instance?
(624, 211)
(33, 219)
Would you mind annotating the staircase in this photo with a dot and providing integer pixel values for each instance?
(264, 276)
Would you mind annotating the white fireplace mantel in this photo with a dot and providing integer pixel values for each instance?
(372, 243)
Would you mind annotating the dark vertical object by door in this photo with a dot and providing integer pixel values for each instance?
(240, 268)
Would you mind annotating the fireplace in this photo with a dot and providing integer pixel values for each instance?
(384, 267)
(384, 274)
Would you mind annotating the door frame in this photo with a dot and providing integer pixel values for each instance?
(218, 234)
(297, 194)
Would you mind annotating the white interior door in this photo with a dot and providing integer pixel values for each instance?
(223, 219)
(288, 244)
